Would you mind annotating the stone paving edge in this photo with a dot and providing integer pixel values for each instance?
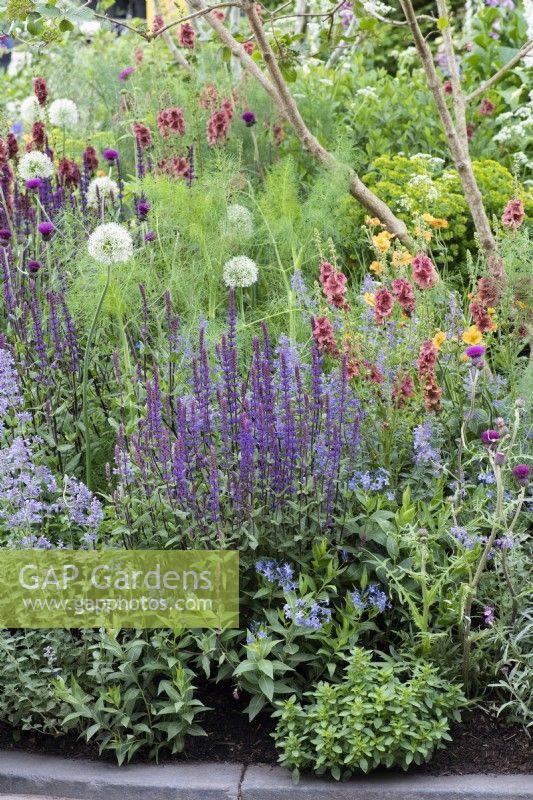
(42, 776)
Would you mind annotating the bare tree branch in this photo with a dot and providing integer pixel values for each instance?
(459, 149)
(170, 43)
(236, 48)
(458, 98)
(292, 113)
(501, 72)
(300, 26)
(122, 24)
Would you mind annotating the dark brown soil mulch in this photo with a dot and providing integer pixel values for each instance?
(481, 744)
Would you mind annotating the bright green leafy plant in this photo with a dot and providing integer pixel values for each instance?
(380, 714)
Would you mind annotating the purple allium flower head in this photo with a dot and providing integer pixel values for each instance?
(143, 207)
(34, 183)
(248, 118)
(521, 474)
(33, 266)
(5, 236)
(490, 437)
(476, 351)
(46, 229)
(110, 154)
(150, 236)
(125, 73)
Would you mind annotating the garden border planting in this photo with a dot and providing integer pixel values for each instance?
(49, 776)
(266, 400)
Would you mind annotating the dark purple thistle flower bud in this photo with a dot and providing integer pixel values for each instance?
(143, 207)
(110, 154)
(249, 118)
(150, 236)
(476, 351)
(5, 236)
(34, 183)
(490, 437)
(521, 474)
(500, 458)
(33, 267)
(46, 230)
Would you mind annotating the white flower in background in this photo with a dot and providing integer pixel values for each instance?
(448, 176)
(64, 114)
(518, 127)
(31, 111)
(90, 27)
(19, 61)
(99, 189)
(376, 7)
(239, 222)
(520, 159)
(35, 165)
(433, 162)
(424, 184)
(367, 91)
(239, 272)
(110, 244)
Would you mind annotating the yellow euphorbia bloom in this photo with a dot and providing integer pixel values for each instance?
(472, 335)
(382, 241)
(439, 339)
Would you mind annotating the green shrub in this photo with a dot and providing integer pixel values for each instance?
(381, 714)
(137, 693)
(422, 184)
(30, 662)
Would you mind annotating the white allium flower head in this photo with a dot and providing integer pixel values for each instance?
(99, 189)
(110, 243)
(31, 111)
(35, 165)
(239, 272)
(64, 114)
(239, 221)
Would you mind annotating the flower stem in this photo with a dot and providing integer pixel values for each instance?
(88, 457)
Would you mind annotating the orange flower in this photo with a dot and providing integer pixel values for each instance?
(372, 221)
(401, 258)
(472, 335)
(427, 235)
(435, 222)
(376, 267)
(383, 241)
(439, 339)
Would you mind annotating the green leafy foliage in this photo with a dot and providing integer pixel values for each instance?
(136, 694)
(379, 714)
